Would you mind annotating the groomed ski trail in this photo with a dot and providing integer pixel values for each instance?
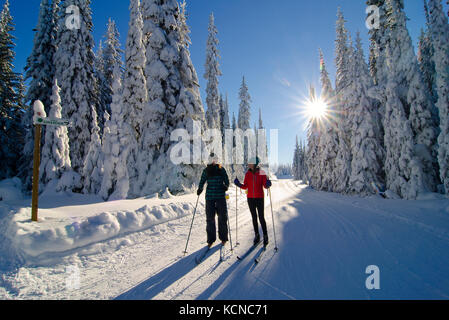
(185, 280)
(326, 241)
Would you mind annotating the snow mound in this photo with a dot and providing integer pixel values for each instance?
(391, 195)
(60, 234)
(166, 194)
(431, 196)
(10, 190)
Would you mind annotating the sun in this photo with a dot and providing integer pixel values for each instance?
(316, 109)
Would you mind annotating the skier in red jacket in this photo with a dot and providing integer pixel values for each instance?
(255, 180)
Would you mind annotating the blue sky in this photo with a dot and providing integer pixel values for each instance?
(274, 44)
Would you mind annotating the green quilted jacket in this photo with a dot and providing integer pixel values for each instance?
(217, 182)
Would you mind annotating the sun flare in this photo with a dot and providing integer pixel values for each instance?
(316, 109)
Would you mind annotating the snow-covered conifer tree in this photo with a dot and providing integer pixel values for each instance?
(244, 116)
(93, 164)
(100, 81)
(342, 53)
(111, 59)
(378, 44)
(327, 147)
(116, 147)
(426, 63)
(425, 57)
(439, 30)
(262, 142)
(417, 102)
(55, 168)
(212, 72)
(40, 69)
(296, 167)
(74, 60)
(134, 87)
(11, 130)
(345, 59)
(366, 142)
(173, 99)
(224, 115)
(314, 135)
(403, 172)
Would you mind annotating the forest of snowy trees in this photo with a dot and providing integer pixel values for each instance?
(387, 125)
(122, 114)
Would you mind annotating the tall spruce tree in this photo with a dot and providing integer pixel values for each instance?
(296, 167)
(116, 147)
(328, 136)
(244, 116)
(262, 142)
(378, 45)
(11, 130)
(40, 69)
(344, 60)
(425, 56)
(112, 58)
(212, 72)
(439, 30)
(314, 135)
(342, 54)
(426, 63)
(74, 60)
(135, 94)
(173, 99)
(93, 163)
(416, 100)
(55, 167)
(366, 147)
(224, 116)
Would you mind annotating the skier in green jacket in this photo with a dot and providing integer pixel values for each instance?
(217, 185)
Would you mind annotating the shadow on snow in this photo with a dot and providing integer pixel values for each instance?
(157, 283)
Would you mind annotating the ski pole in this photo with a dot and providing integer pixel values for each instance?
(236, 218)
(272, 216)
(188, 238)
(229, 227)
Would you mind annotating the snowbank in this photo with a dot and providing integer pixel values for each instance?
(10, 190)
(57, 234)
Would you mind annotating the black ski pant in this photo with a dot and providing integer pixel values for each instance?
(213, 208)
(256, 206)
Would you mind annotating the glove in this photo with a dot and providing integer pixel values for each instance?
(237, 183)
(268, 184)
(199, 192)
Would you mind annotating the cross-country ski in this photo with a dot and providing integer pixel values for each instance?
(249, 251)
(260, 255)
(200, 258)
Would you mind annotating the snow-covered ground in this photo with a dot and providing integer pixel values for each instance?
(84, 248)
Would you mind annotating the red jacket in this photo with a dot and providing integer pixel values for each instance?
(254, 183)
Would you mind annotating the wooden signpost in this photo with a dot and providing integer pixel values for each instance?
(40, 119)
(36, 163)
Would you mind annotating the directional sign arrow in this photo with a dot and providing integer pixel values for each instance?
(51, 122)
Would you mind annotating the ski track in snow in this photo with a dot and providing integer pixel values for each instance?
(326, 242)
